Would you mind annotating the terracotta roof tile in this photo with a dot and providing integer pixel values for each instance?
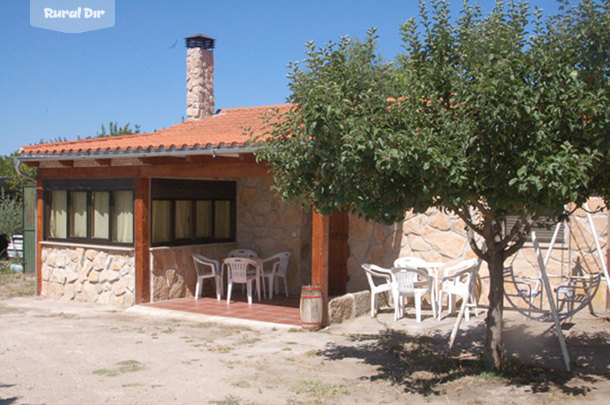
(223, 130)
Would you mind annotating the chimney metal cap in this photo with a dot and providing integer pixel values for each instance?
(199, 41)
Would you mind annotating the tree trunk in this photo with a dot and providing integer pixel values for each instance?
(492, 352)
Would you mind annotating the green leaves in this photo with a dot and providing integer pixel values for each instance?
(475, 114)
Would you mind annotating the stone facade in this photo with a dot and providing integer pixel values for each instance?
(173, 271)
(265, 224)
(269, 225)
(102, 276)
(199, 83)
(436, 236)
(349, 306)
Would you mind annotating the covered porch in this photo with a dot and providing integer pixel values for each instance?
(280, 309)
(154, 270)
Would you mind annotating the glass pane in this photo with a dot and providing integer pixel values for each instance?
(78, 214)
(122, 217)
(101, 217)
(183, 219)
(222, 219)
(203, 215)
(161, 221)
(58, 220)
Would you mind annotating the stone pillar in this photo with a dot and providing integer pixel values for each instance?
(199, 83)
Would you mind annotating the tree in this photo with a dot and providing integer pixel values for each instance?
(114, 130)
(478, 117)
(15, 181)
(11, 214)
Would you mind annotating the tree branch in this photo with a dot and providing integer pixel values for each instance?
(479, 251)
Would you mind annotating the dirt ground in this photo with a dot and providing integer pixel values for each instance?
(55, 353)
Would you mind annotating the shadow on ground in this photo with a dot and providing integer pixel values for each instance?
(7, 401)
(421, 363)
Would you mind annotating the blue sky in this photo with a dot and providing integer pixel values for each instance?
(54, 84)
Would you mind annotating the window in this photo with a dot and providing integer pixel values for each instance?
(93, 210)
(101, 214)
(161, 221)
(59, 215)
(544, 234)
(192, 211)
(78, 214)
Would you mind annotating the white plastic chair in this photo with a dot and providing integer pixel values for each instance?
(249, 253)
(409, 261)
(458, 282)
(242, 270)
(411, 282)
(380, 281)
(243, 253)
(207, 268)
(279, 263)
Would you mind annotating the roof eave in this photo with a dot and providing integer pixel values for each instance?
(231, 151)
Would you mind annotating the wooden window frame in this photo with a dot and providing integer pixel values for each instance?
(89, 186)
(173, 190)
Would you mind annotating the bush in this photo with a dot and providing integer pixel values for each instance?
(11, 214)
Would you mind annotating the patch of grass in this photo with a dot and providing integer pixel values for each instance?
(15, 284)
(489, 376)
(287, 349)
(228, 400)
(311, 353)
(126, 366)
(129, 366)
(295, 330)
(241, 384)
(318, 392)
(250, 340)
(221, 349)
(106, 372)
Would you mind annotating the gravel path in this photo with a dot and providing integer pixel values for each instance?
(61, 353)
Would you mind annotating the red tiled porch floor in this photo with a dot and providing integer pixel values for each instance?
(280, 309)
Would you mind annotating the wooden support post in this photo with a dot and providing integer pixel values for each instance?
(319, 258)
(141, 235)
(39, 233)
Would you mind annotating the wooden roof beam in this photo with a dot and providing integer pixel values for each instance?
(103, 162)
(162, 160)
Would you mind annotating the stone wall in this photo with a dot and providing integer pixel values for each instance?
(265, 224)
(199, 83)
(173, 271)
(269, 225)
(95, 275)
(436, 236)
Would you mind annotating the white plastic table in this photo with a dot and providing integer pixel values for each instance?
(432, 269)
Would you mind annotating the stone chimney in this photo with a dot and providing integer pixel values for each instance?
(199, 77)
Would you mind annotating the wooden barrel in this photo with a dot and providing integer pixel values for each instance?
(311, 307)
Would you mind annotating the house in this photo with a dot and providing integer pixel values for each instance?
(119, 217)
